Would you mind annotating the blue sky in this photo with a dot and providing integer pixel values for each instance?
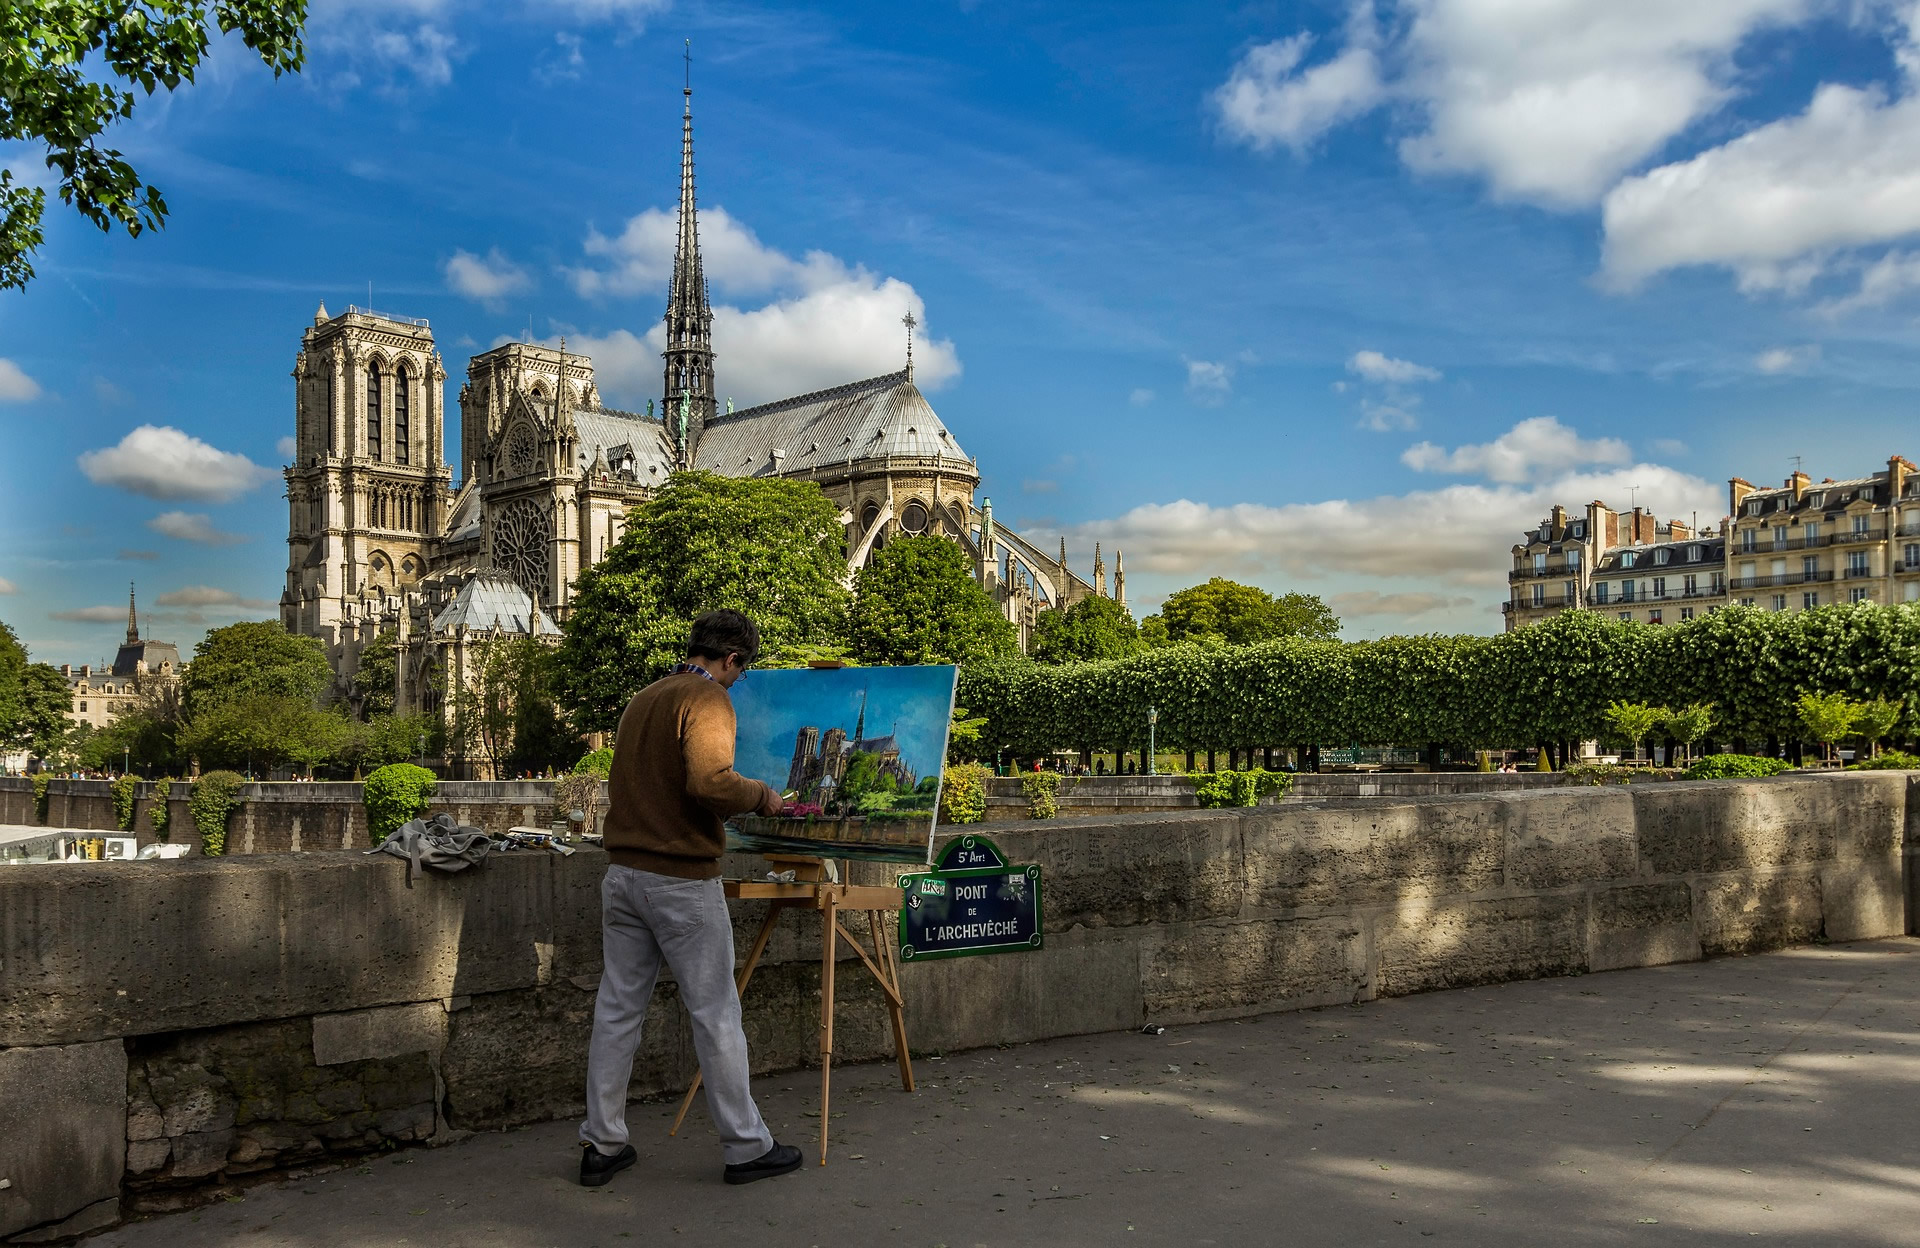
(1324, 296)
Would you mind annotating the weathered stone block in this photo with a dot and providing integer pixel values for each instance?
(147, 1155)
(1863, 898)
(1421, 946)
(1563, 837)
(1731, 825)
(200, 1153)
(1130, 869)
(1744, 913)
(1642, 925)
(1080, 982)
(64, 1143)
(1869, 814)
(1371, 853)
(1201, 971)
(386, 1031)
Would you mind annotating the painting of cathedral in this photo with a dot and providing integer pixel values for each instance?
(381, 538)
(859, 749)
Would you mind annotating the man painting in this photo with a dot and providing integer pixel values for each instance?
(672, 783)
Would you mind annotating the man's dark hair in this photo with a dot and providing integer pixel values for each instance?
(718, 634)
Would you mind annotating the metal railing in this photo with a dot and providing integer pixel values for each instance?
(1780, 578)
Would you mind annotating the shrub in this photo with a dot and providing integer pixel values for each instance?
(393, 795)
(162, 789)
(1042, 791)
(1239, 788)
(211, 803)
(599, 763)
(1892, 760)
(963, 793)
(124, 790)
(1734, 766)
(41, 779)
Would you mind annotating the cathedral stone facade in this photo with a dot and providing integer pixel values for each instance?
(379, 540)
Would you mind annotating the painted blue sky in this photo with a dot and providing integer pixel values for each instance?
(1329, 296)
(913, 704)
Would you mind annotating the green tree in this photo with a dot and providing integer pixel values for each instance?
(69, 69)
(1093, 628)
(146, 732)
(254, 659)
(772, 549)
(917, 602)
(507, 718)
(1876, 719)
(374, 680)
(1827, 716)
(1634, 722)
(45, 727)
(1241, 615)
(1689, 724)
(13, 671)
(262, 731)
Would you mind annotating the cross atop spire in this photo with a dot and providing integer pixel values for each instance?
(909, 322)
(133, 620)
(689, 353)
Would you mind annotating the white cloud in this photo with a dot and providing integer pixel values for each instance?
(1269, 100)
(159, 461)
(1141, 397)
(1039, 485)
(486, 278)
(286, 447)
(208, 596)
(1552, 101)
(1374, 366)
(827, 323)
(1670, 446)
(1523, 453)
(8, 587)
(1365, 602)
(1209, 383)
(1786, 359)
(1776, 204)
(15, 385)
(564, 62)
(1886, 279)
(91, 615)
(193, 526)
(1549, 101)
(1458, 535)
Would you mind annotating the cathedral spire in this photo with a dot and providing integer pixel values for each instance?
(133, 620)
(689, 353)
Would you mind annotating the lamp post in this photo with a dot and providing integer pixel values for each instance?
(1153, 717)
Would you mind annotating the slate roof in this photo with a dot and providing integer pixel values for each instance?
(871, 419)
(488, 601)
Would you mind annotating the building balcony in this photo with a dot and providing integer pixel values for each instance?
(1535, 574)
(1783, 578)
(1845, 538)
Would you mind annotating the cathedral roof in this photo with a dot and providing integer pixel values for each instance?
(489, 601)
(613, 431)
(880, 417)
(152, 653)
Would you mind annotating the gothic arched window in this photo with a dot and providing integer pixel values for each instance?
(400, 379)
(373, 410)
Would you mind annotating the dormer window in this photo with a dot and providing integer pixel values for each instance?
(1626, 559)
(1693, 554)
(1661, 555)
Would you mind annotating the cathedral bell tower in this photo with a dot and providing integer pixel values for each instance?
(687, 402)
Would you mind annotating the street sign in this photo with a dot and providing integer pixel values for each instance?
(974, 902)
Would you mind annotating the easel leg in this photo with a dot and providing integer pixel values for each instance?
(830, 929)
(740, 988)
(883, 952)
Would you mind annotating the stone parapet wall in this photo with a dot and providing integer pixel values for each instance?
(267, 1012)
(1114, 795)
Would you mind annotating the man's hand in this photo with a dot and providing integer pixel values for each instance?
(770, 802)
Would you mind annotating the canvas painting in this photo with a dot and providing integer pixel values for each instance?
(858, 753)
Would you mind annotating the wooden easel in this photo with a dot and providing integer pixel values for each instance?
(811, 890)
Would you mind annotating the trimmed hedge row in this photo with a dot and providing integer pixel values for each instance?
(1550, 682)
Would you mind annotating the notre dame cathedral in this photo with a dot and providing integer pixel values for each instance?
(380, 540)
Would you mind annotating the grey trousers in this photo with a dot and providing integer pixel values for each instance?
(644, 918)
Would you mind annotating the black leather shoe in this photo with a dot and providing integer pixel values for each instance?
(778, 1160)
(596, 1167)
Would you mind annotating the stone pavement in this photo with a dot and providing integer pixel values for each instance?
(1771, 1099)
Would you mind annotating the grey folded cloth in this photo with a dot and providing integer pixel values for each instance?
(436, 842)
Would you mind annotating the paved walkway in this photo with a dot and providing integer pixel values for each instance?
(1766, 1099)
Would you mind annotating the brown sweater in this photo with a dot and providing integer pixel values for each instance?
(673, 779)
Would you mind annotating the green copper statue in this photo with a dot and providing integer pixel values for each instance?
(683, 418)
